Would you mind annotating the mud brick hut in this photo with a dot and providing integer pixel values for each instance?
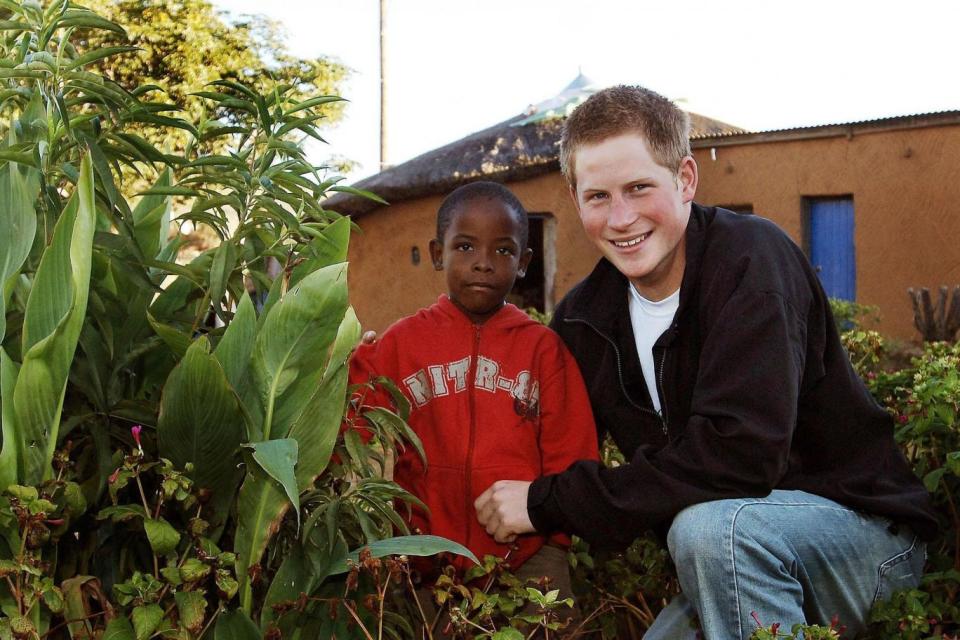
(874, 204)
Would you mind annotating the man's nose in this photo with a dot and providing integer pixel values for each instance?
(621, 213)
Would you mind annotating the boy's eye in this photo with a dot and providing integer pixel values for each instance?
(505, 251)
(638, 187)
(463, 246)
(597, 196)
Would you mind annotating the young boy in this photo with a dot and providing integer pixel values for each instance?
(493, 394)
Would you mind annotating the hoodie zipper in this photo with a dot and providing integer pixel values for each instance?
(662, 418)
(468, 469)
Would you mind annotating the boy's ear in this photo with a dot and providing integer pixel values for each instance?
(436, 254)
(525, 258)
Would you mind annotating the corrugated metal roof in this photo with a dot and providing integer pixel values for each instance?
(932, 118)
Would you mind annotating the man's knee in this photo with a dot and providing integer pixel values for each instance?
(697, 533)
(710, 530)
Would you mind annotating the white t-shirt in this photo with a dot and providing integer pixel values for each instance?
(650, 320)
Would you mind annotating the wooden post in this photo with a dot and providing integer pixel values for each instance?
(383, 88)
(939, 323)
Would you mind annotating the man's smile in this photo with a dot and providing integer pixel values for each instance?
(626, 244)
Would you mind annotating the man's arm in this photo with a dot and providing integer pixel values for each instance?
(735, 443)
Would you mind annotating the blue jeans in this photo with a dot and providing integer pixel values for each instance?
(790, 557)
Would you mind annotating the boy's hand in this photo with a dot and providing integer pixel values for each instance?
(502, 510)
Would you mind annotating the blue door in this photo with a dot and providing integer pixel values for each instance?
(831, 246)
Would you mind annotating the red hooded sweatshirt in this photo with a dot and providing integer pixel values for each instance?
(499, 401)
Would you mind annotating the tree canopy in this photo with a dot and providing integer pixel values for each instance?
(187, 44)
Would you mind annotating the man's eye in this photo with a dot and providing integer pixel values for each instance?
(638, 187)
(597, 196)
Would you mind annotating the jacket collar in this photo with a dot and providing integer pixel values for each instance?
(601, 299)
(507, 317)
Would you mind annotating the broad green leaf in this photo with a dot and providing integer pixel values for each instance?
(315, 429)
(151, 218)
(178, 342)
(224, 261)
(118, 629)
(52, 322)
(19, 186)
(19, 157)
(76, 604)
(329, 248)
(121, 512)
(404, 545)
(261, 505)
(507, 633)
(236, 345)
(235, 625)
(292, 578)
(201, 422)
(279, 459)
(953, 463)
(11, 457)
(191, 605)
(348, 335)
(292, 343)
(146, 618)
(932, 479)
(162, 536)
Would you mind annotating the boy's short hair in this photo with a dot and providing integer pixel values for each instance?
(482, 190)
(627, 109)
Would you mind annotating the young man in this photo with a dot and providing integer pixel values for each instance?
(712, 359)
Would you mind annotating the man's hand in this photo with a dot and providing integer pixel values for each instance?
(502, 510)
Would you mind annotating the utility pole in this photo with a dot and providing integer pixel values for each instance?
(383, 89)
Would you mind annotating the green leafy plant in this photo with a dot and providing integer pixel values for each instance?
(172, 434)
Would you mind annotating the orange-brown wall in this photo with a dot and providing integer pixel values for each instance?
(906, 193)
(905, 186)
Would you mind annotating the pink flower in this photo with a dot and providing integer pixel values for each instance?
(114, 476)
(135, 431)
(903, 419)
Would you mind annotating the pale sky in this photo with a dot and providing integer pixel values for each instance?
(458, 66)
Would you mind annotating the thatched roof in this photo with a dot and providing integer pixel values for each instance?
(524, 146)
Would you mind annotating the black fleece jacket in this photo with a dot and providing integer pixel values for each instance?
(756, 389)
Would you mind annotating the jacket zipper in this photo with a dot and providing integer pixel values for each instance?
(468, 470)
(623, 387)
(663, 397)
